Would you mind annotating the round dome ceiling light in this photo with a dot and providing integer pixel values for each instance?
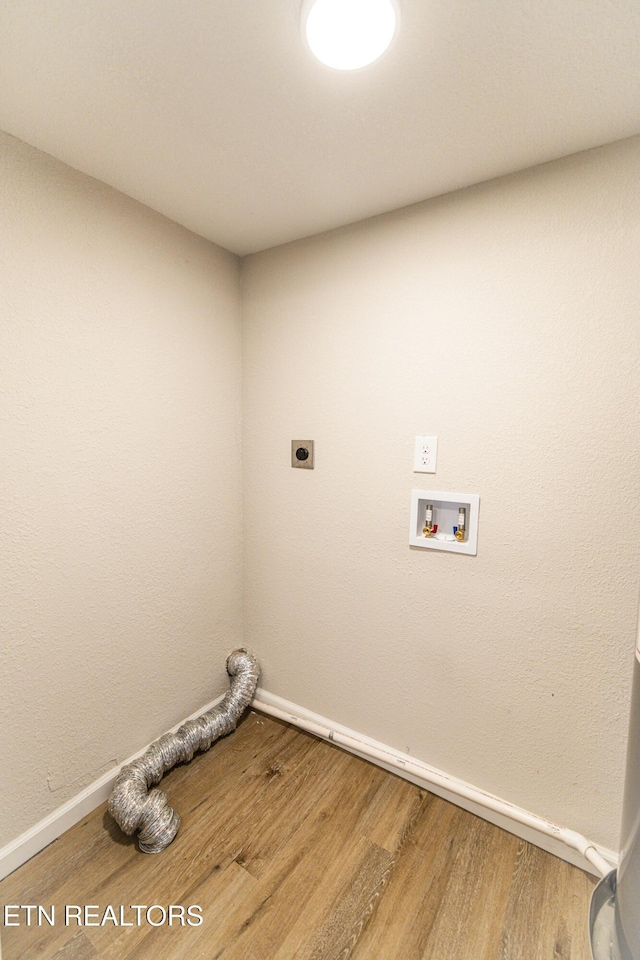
(349, 34)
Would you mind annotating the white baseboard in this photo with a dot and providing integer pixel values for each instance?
(46, 831)
(298, 716)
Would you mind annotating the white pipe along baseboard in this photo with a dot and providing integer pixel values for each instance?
(591, 857)
(557, 840)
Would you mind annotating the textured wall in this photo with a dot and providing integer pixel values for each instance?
(120, 566)
(503, 319)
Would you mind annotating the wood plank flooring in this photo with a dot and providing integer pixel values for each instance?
(295, 850)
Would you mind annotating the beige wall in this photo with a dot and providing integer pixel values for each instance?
(503, 319)
(120, 512)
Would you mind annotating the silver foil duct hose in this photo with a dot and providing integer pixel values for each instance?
(131, 804)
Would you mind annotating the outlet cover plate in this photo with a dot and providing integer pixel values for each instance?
(298, 450)
(424, 456)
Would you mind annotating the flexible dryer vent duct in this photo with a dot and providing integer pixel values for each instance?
(131, 804)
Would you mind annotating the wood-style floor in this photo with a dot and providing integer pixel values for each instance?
(295, 850)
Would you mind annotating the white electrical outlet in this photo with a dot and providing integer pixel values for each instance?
(424, 457)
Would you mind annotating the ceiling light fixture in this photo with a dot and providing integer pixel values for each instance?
(349, 34)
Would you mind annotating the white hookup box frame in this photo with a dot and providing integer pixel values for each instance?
(445, 515)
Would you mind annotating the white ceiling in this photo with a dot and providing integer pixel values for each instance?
(213, 113)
